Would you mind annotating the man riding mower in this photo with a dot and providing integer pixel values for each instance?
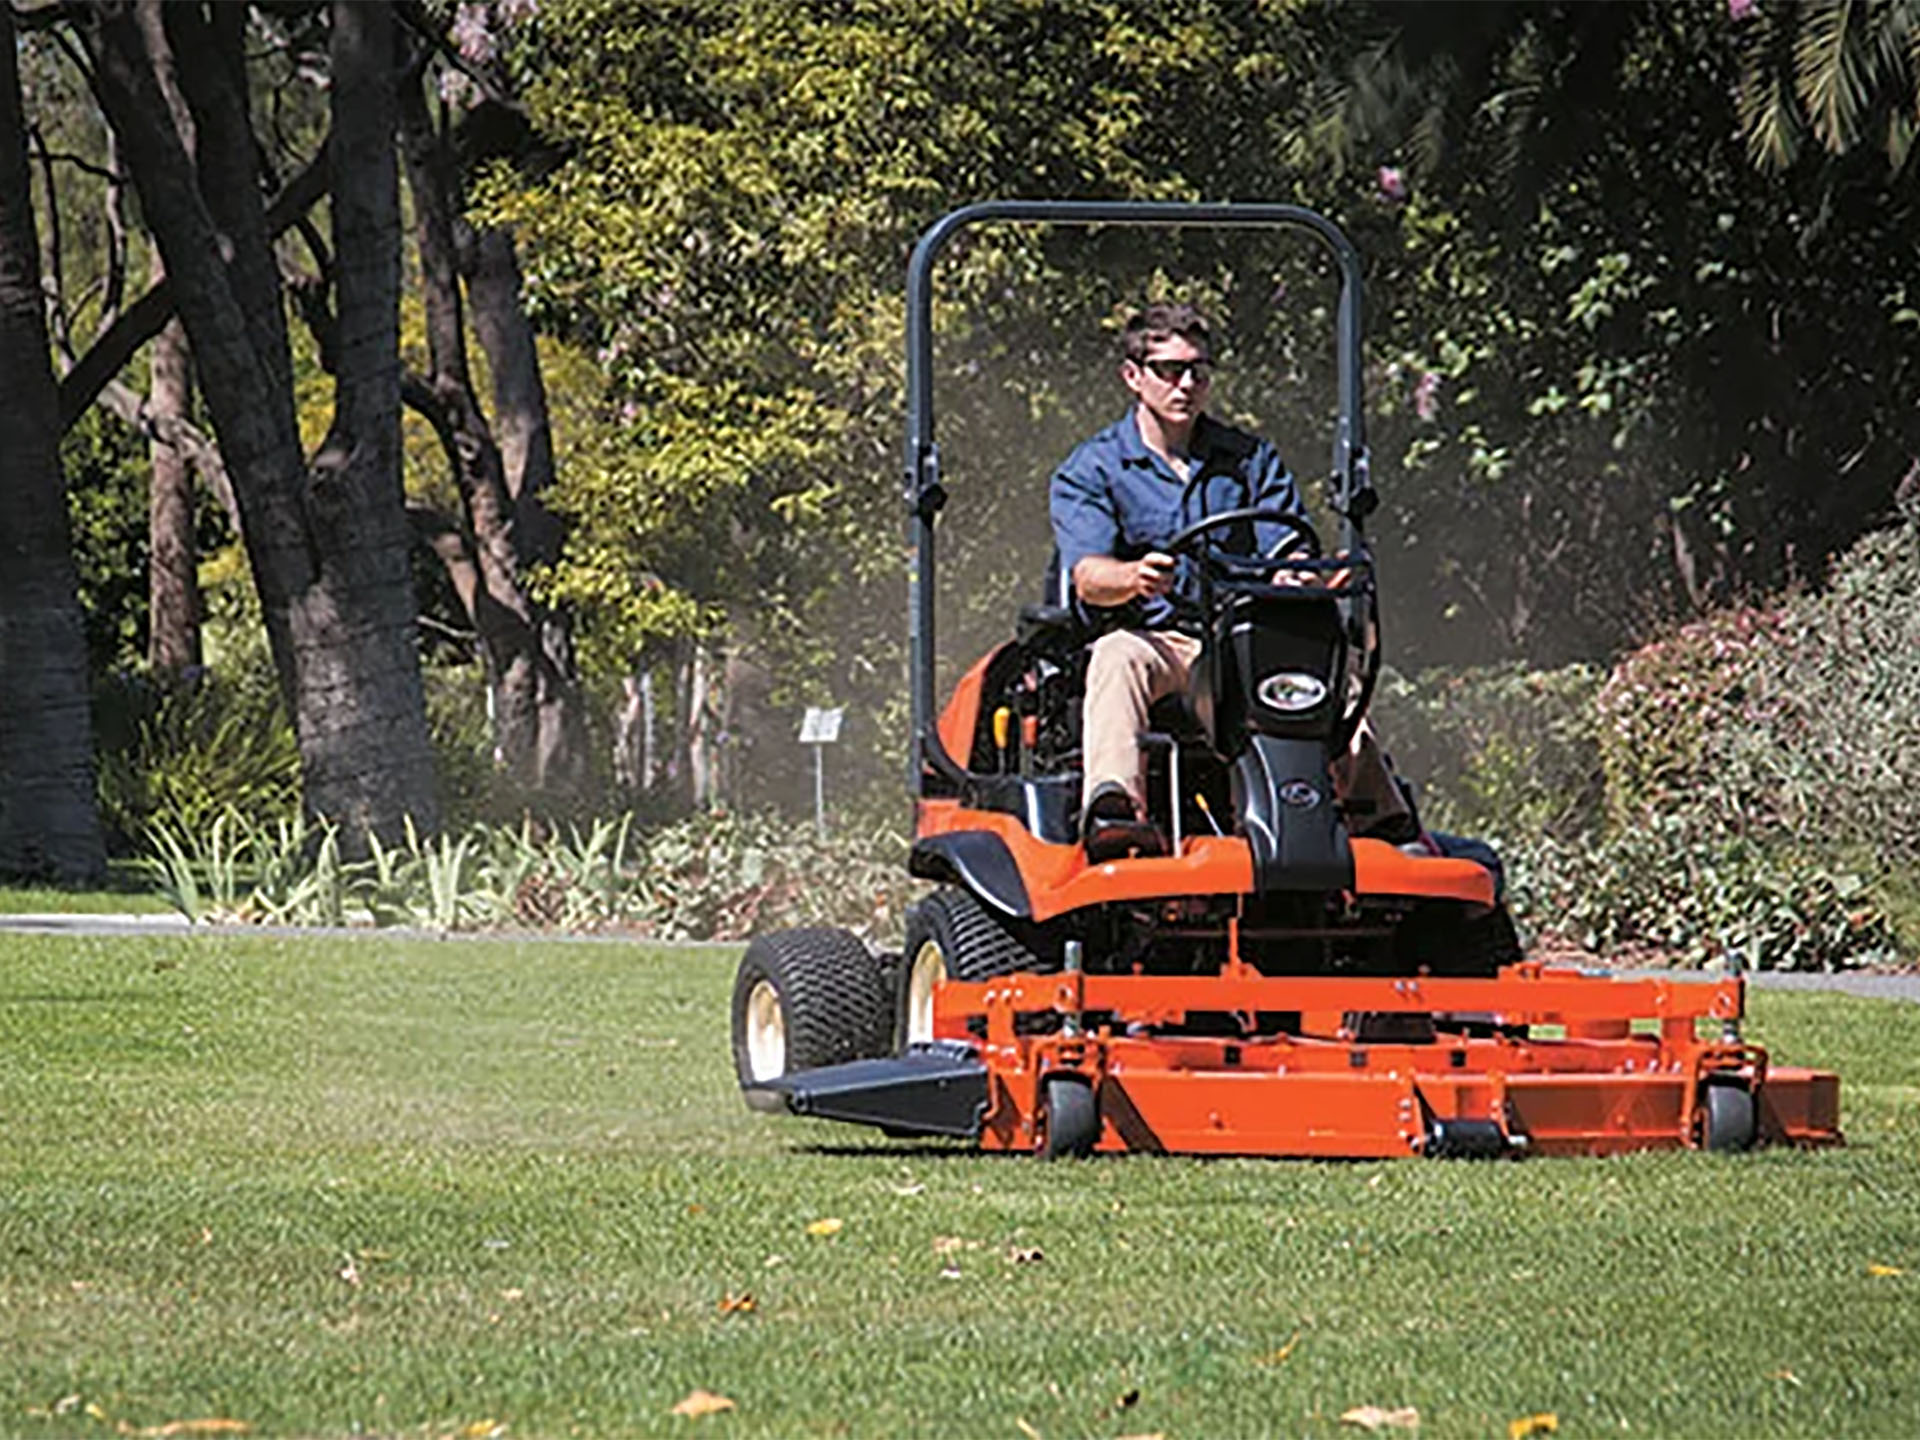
(1229, 968)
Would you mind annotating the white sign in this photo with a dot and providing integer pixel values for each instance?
(822, 726)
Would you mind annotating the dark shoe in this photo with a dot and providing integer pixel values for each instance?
(1112, 829)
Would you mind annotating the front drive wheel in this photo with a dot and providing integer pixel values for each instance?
(807, 998)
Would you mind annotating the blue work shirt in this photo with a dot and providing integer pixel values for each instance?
(1114, 496)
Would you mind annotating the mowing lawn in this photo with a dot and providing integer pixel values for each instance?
(458, 1188)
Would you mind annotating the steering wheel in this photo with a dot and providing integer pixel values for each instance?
(1303, 539)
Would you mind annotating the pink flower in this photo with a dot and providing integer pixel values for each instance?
(1426, 396)
(1392, 182)
(471, 34)
(457, 90)
(1741, 9)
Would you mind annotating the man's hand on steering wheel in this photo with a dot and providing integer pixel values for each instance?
(1104, 580)
(1327, 579)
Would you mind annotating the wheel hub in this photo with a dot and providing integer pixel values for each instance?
(928, 970)
(766, 1032)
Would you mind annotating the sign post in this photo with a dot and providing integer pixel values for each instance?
(820, 728)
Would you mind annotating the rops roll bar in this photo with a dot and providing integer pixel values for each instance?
(1353, 495)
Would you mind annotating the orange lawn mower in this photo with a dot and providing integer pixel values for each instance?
(1273, 984)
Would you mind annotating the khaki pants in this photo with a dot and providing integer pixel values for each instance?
(1130, 669)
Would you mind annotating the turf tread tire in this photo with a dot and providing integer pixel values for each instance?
(975, 945)
(832, 992)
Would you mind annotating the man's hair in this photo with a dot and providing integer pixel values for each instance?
(1163, 320)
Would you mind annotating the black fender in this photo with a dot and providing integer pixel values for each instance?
(978, 861)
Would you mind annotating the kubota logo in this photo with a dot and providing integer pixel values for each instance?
(1292, 691)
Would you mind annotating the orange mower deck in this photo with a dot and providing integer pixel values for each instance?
(1535, 1061)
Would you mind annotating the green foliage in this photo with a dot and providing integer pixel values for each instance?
(714, 877)
(1830, 750)
(1849, 73)
(1668, 710)
(1747, 783)
(1502, 750)
(178, 756)
(1667, 889)
(105, 468)
(462, 742)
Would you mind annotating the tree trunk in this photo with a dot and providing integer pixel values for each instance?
(48, 822)
(492, 272)
(173, 582)
(538, 707)
(328, 543)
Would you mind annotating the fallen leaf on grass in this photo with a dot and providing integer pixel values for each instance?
(1372, 1417)
(350, 1272)
(702, 1402)
(1026, 1429)
(949, 1271)
(211, 1425)
(831, 1225)
(1545, 1423)
(741, 1304)
(1786, 1375)
(484, 1429)
(1155, 1435)
(1025, 1254)
(1279, 1357)
(1882, 1271)
(906, 1190)
(1127, 1400)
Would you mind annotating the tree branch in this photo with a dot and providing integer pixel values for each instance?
(131, 408)
(144, 319)
(442, 534)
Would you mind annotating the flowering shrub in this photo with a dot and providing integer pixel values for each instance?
(1749, 783)
(1662, 888)
(1666, 713)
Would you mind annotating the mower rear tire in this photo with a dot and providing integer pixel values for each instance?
(952, 936)
(1072, 1118)
(807, 998)
(1728, 1120)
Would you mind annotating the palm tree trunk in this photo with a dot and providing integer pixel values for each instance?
(328, 543)
(48, 822)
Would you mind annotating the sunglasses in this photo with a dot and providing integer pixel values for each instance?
(1170, 371)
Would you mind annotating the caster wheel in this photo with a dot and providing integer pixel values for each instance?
(1072, 1117)
(1729, 1121)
